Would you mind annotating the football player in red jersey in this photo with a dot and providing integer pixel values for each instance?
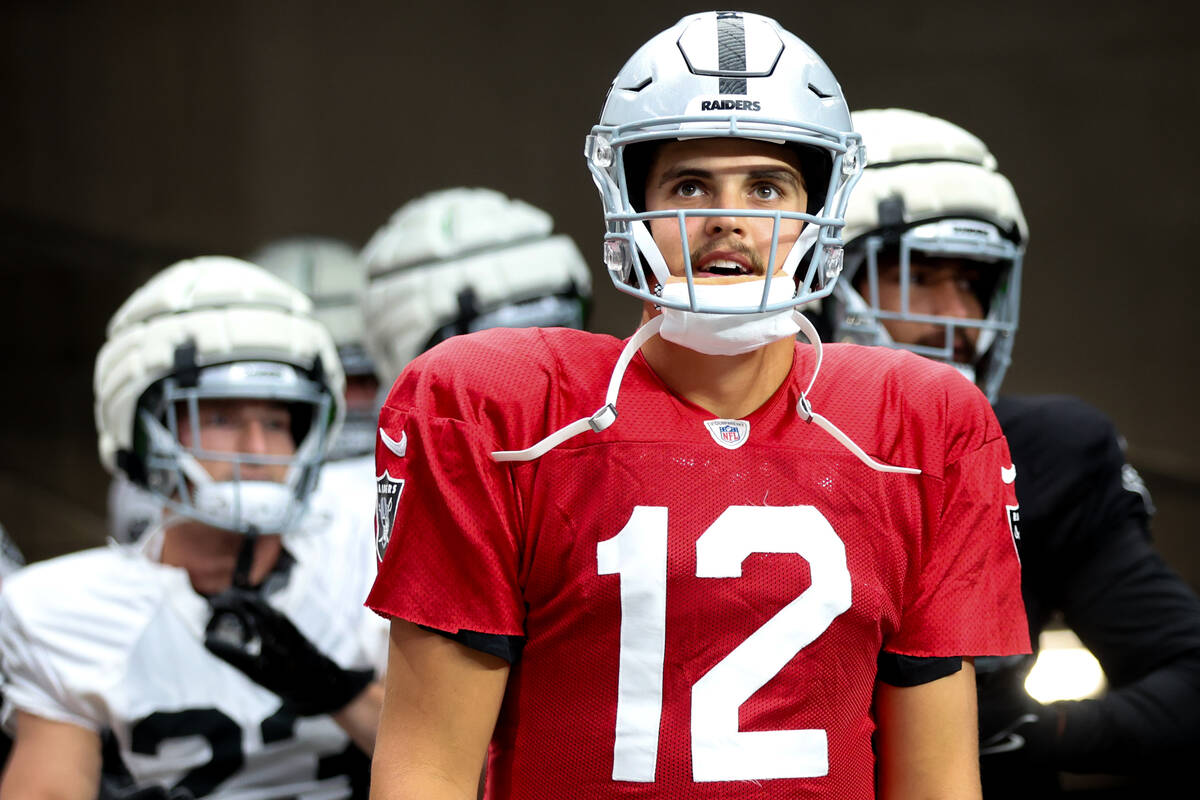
(722, 591)
(935, 243)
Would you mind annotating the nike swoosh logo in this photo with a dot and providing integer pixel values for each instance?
(1007, 744)
(1007, 474)
(399, 447)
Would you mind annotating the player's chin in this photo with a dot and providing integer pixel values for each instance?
(706, 278)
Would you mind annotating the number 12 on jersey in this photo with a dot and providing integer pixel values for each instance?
(720, 752)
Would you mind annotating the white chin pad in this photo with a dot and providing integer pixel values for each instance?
(727, 334)
(263, 505)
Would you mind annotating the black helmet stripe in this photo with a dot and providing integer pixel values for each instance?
(731, 50)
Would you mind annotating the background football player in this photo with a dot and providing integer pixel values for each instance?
(333, 276)
(226, 653)
(694, 596)
(935, 242)
(464, 259)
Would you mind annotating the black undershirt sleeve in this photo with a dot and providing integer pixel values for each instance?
(495, 644)
(894, 669)
(904, 671)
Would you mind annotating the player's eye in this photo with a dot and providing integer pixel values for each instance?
(688, 189)
(767, 191)
(216, 419)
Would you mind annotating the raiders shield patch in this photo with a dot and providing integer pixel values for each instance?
(1014, 527)
(387, 494)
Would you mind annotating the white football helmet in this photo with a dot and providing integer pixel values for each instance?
(461, 260)
(931, 188)
(333, 276)
(216, 327)
(724, 74)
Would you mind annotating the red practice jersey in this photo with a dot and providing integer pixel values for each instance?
(703, 601)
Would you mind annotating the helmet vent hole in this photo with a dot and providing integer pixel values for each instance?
(638, 87)
(819, 93)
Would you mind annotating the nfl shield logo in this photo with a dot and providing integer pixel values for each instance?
(729, 433)
(387, 493)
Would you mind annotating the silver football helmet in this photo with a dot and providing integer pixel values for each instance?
(216, 328)
(931, 189)
(724, 74)
(333, 276)
(465, 259)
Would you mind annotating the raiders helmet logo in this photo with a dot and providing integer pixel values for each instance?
(387, 493)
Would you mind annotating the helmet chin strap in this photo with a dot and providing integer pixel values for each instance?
(245, 559)
(607, 414)
(804, 409)
(649, 250)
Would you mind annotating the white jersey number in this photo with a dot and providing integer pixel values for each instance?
(720, 752)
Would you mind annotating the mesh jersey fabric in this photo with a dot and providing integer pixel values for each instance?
(764, 579)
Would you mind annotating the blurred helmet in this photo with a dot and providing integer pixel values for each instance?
(333, 276)
(724, 74)
(461, 260)
(216, 328)
(11, 558)
(931, 188)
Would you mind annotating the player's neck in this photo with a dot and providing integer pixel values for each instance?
(210, 555)
(731, 387)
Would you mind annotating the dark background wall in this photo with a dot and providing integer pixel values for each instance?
(137, 133)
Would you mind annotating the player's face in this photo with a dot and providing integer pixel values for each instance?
(360, 392)
(240, 426)
(937, 287)
(724, 173)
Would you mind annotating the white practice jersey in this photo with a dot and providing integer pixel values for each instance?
(352, 482)
(348, 485)
(110, 640)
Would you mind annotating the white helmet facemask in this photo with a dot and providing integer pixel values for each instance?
(245, 505)
(727, 334)
(860, 318)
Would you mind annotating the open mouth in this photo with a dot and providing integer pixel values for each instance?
(723, 264)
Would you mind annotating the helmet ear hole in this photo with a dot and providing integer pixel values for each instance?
(816, 167)
(637, 159)
(300, 420)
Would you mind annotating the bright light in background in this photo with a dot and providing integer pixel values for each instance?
(1064, 670)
